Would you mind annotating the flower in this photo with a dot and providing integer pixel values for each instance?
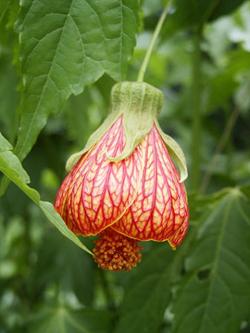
(124, 186)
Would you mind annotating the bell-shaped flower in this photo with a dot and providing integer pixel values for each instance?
(124, 186)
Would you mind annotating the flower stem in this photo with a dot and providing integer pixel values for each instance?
(156, 33)
(197, 116)
(220, 147)
(107, 290)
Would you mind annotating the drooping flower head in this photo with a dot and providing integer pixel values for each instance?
(124, 186)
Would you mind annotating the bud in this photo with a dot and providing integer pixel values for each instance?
(124, 185)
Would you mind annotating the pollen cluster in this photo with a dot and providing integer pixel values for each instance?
(116, 252)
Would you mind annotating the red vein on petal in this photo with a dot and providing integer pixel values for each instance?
(161, 213)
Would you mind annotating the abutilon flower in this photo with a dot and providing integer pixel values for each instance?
(124, 186)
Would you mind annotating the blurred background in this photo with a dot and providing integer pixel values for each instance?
(47, 284)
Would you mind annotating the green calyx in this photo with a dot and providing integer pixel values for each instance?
(139, 103)
(136, 98)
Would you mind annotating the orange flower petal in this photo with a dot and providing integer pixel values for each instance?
(97, 192)
(177, 238)
(160, 207)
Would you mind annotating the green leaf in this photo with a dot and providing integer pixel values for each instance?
(61, 319)
(242, 98)
(3, 8)
(11, 167)
(55, 218)
(215, 296)
(66, 45)
(225, 7)
(4, 144)
(148, 293)
(8, 16)
(78, 269)
(8, 96)
(194, 13)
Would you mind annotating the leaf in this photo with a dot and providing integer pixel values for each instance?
(225, 8)
(56, 256)
(66, 45)
(8, 97)
(148, 293)
(242, 98)
(11, 167)
(61, 319)
(4, 144)
(8, 14)
(215, 296)
(52, 215)
(194, 13)
(3, 8)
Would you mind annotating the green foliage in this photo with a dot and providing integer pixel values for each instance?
(195, 13)
(61, 319)
(5, 146)
(54, 257)
(51, 51)
(65, 46)
(144, 292)
(216, 296)
(12, 168)
(56, 219)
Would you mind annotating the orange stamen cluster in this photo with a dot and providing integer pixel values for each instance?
(116, 252)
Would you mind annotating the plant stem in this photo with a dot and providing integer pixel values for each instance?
(153, 41)
(107, 291)
(197, 117)
(221, 145)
